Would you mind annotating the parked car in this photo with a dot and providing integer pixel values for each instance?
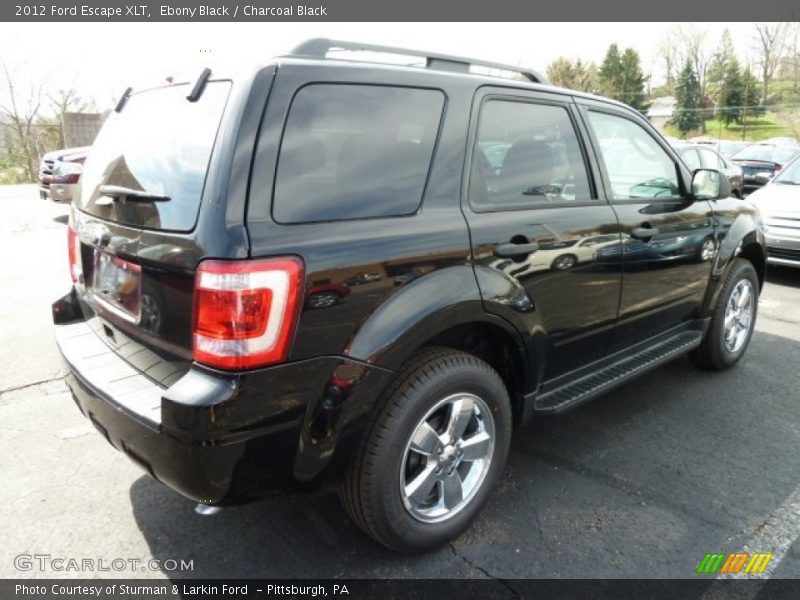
(48, 163)
(326, 295)
(697, 156)
(66, 174)
(782, 141)
(362, 278)
(779, 203)
(725, 148)
(760, 162)
(728, 148)
(406, 395)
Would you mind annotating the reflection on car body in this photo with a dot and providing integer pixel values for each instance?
(693, 242)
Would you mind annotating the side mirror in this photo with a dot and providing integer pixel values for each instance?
(709, 184)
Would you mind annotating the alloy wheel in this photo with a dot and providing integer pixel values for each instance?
(447, 458)
(738, 316)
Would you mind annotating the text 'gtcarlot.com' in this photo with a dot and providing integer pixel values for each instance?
(47, 562)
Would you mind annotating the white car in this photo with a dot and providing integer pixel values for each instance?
(779, 204)
(558, 255)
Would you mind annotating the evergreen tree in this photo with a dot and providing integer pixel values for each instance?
(632, 80)
(610, 74)
(719, 65)
(731, 96)
(751, 94)
(620, 77)
(689, 101)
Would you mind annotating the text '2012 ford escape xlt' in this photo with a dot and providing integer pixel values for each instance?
(367, 274)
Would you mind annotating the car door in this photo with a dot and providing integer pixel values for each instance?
(668, 240)
(536, 223)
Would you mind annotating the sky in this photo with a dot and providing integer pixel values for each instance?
(100, 60)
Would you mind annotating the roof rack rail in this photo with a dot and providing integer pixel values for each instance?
(320, 47)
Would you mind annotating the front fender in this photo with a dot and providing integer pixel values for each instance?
(738, 226)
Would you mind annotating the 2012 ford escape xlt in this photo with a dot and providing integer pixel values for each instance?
(368, 274)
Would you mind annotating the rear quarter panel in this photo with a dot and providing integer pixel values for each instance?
(389, 265)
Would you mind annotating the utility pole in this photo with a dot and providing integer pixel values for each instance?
(744, 109)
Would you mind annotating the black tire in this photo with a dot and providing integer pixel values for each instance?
(564, 262)
(713, 353)
(371, 493)
(323, 300)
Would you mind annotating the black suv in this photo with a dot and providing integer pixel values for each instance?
(490, 248)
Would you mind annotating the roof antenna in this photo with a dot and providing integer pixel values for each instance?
(199, 86)
(123, 99)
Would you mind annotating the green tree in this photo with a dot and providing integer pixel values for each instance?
(610, 73)
(620, 77)
(574, 75)
(720, 64)
(631, 80)
(689, 101)
(751, 96)
(731, 96)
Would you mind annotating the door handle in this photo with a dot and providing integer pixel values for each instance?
(509, 249)
(642, 233)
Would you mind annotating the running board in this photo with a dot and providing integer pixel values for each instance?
(610, 376)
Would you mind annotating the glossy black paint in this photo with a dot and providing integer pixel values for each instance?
(402, 282)
(561, 334)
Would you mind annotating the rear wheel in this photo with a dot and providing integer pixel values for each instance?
(564, 262)
(433, 454)
(733, 320)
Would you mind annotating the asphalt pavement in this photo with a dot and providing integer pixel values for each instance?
(642, 482)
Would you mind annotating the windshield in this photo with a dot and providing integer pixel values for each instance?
(775, 154)
(159, 144)
(791, 174)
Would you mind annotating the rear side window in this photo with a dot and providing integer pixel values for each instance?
(527, 154)
(160, 144)
(355, 152)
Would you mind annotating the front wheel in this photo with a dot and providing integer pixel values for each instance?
(433, 454)
(733, 320)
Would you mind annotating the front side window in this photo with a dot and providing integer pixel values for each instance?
(637, 166)
(526, 155)
(711, 160)
(355, 151)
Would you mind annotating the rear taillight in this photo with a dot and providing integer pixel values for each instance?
(74, 249)
(245, 311)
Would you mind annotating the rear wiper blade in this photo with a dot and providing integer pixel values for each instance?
(132, 195)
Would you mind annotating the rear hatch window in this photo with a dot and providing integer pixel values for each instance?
(159, 145)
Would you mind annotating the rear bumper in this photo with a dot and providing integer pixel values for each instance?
(220, 438)
(125, 406)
